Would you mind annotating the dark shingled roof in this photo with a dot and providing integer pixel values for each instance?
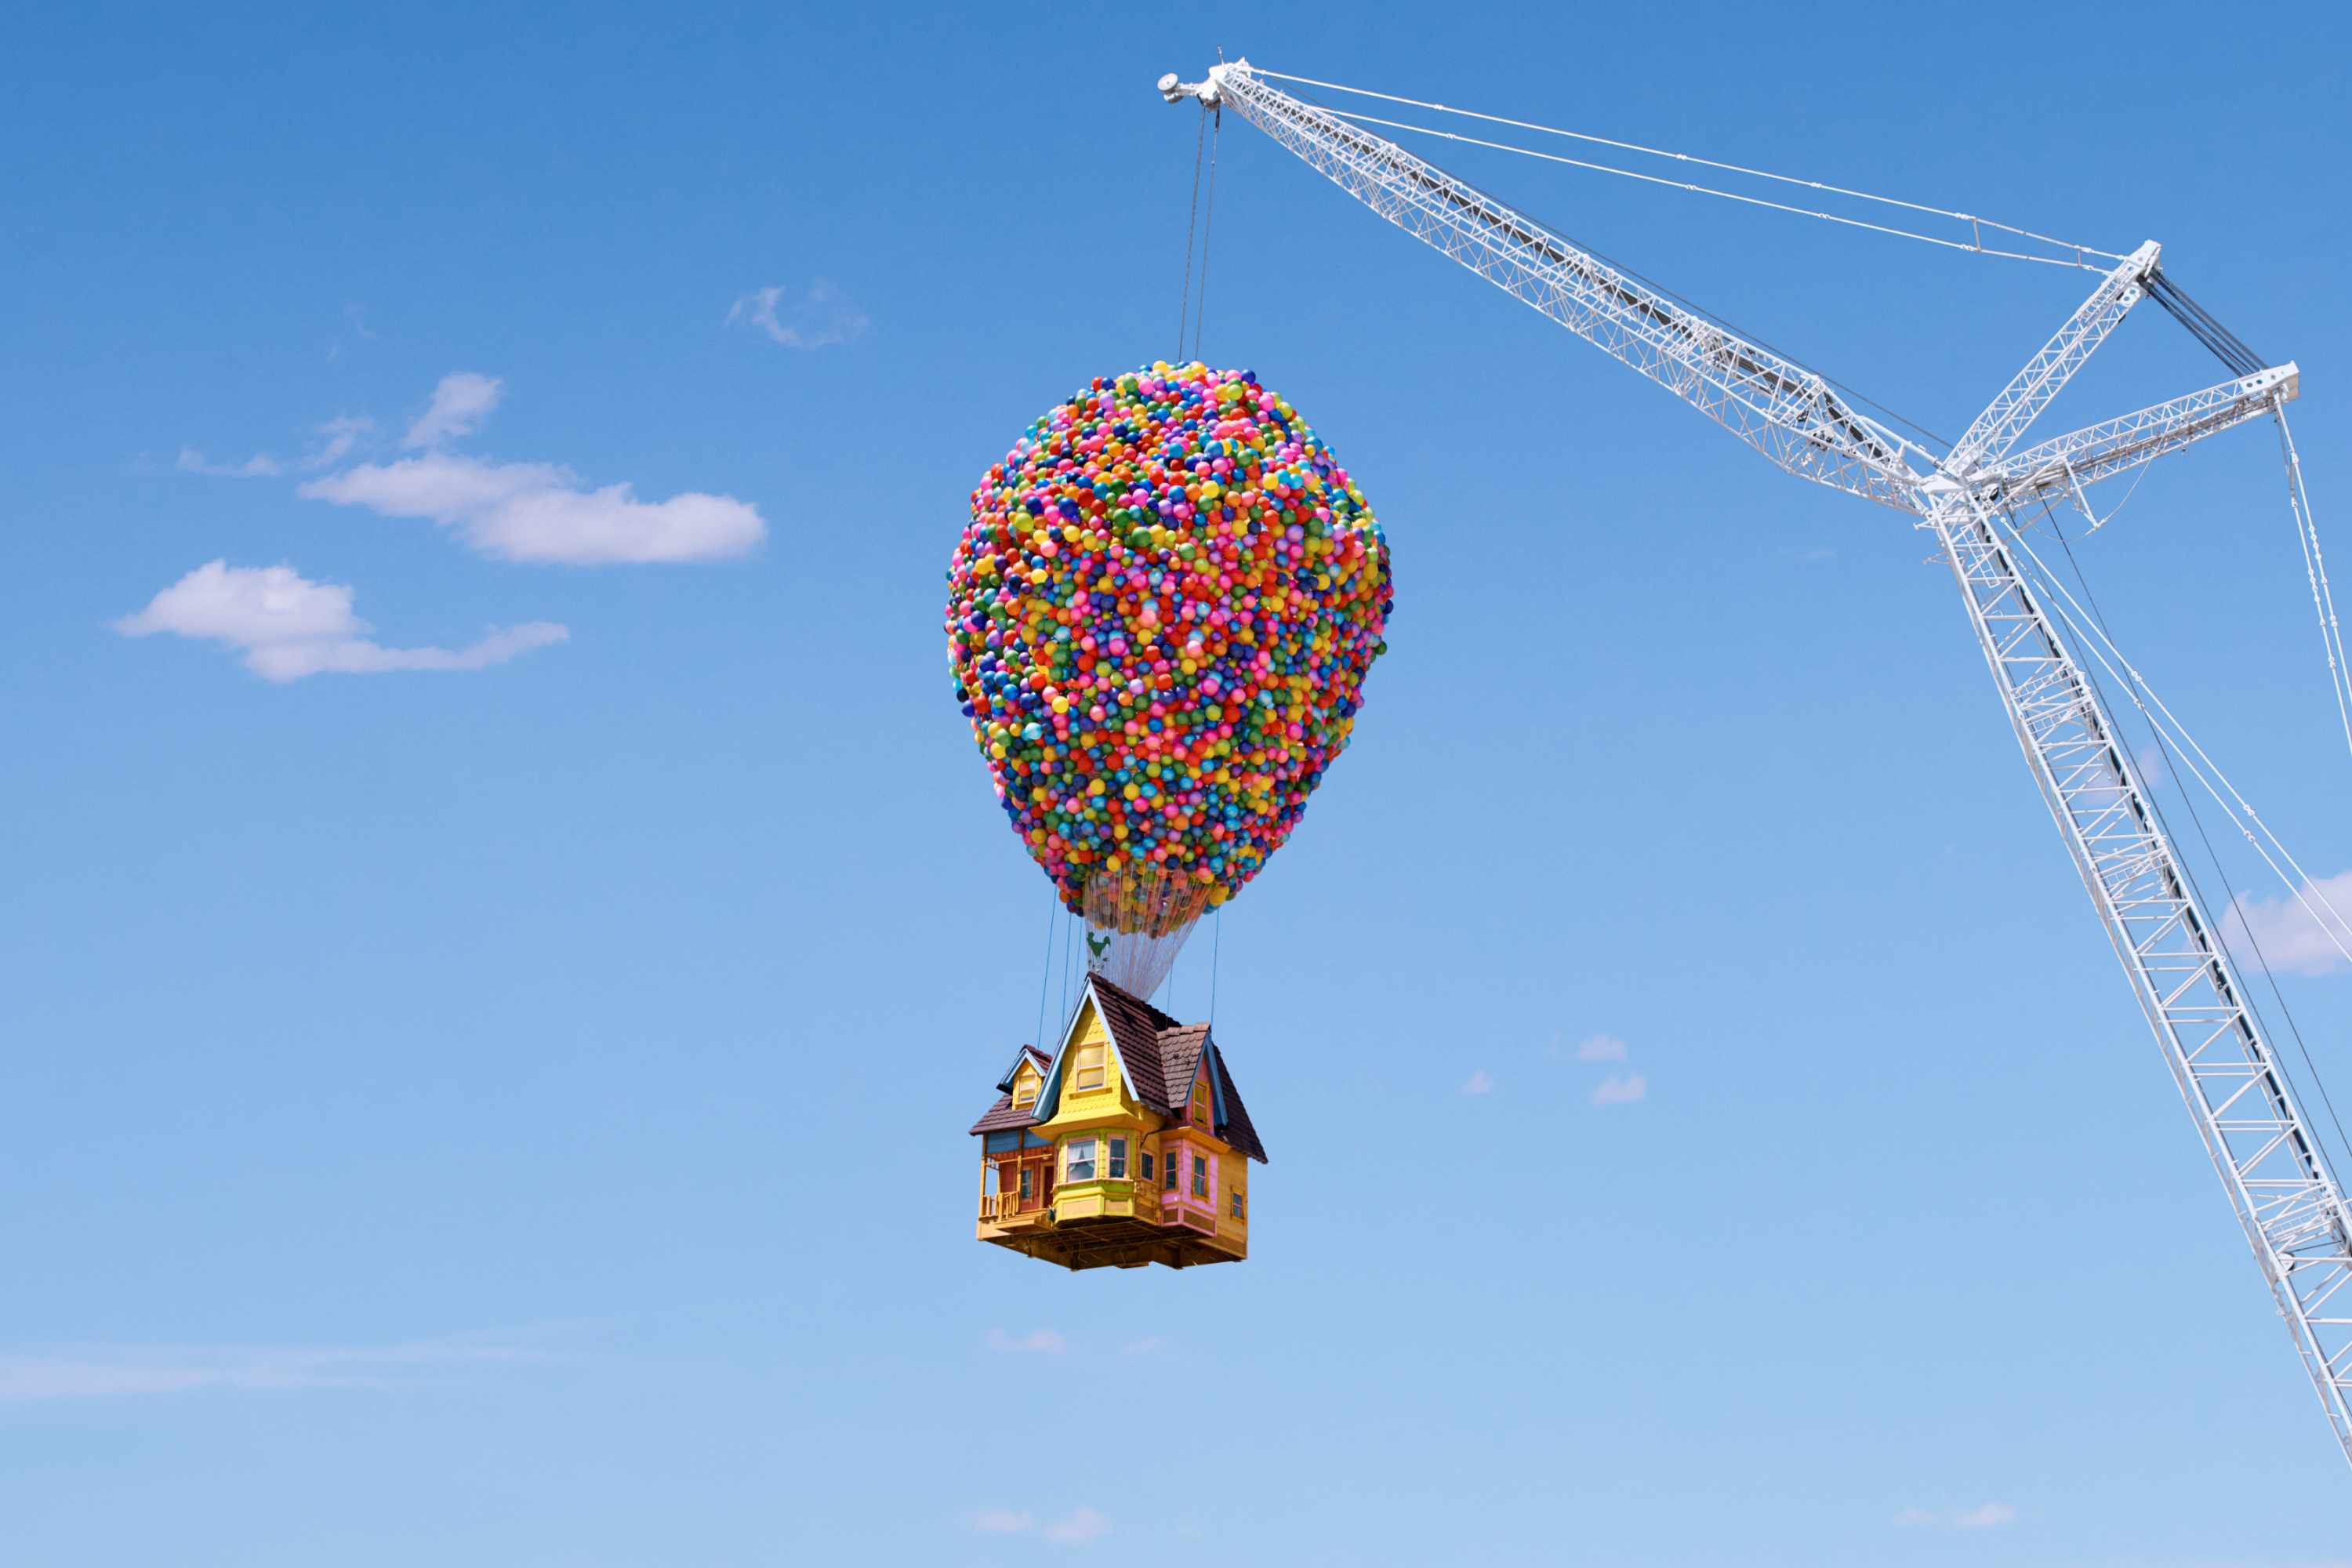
(1137, 1026)
(1237, 1129)
(1162, 1056)
(1002, 1115)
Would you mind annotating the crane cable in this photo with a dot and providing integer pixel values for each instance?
(1191, 226)
(2314, 568)
(1977, 225)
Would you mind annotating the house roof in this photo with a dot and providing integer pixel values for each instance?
(1161, 1057)
(1235, 1129)
(1001, 1117)
(1136, 1027)
(1028, 1054)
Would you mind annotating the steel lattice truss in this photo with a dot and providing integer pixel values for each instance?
(2294, 1215)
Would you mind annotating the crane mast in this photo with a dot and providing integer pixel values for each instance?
(2287, 1200)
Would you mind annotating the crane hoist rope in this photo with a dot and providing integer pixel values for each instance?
(2247, 1113)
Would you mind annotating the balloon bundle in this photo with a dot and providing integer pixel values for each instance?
(1160, 618)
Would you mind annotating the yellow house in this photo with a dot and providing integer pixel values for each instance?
(1128, 1146)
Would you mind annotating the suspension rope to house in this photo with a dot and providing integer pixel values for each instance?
(1977, 224)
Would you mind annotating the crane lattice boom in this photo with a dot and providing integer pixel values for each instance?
(2294, 1215)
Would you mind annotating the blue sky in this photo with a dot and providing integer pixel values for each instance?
(483, 1080)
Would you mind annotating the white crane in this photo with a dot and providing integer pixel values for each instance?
(2273, 1168)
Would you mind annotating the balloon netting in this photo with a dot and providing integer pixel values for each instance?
(1160, 619)
(1138, 922)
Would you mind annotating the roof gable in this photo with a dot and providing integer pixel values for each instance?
(1158, 1061)
(1027, 1053)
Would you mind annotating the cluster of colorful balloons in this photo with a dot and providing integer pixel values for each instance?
(1160, 618)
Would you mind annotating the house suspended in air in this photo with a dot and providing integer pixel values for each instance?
(1128, 1145)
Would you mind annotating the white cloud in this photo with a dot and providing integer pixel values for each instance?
(1143, 1347)
(1002, 1522)
(261, 465)
(1615, 1090)
(1990, 1513)
(1601, 1049)
(1042, 1340)
(821, 318)
(2292, 933)
(460, 404)
(115, 1371)
(1080, 1529)
(537, 511)
(340, 434)
(288, 626)
(1479, 1084)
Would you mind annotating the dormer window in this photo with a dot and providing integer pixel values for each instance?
(1024, 1090)
(1090, 1066)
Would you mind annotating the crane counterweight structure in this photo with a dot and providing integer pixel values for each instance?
(2277, 1177)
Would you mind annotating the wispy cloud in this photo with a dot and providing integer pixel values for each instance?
(1002, 1522)
(288, 626)
(462, 401)
(1479, 1084)
(1616, 1091)
(1081, 1528)
(515, 511)
(1042, 1340)
(342, 435)
(1977, 1518)
(116, 1372)
(2291, 932)
(1601, 1049)
(539, 511)
(1143, 1347)
(818, 320)
(260, 466)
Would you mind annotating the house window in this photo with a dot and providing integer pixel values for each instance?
(1169, 1181)
(1024, 1092)
(1026, 1193)
(1118, 1171)
(1201, 1106)
(1200, 1175)
(1146, 1158)
(1082, 1161)
(1237, 1202)
(1090, 1066)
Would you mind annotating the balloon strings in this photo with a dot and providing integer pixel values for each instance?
(1192, 227)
